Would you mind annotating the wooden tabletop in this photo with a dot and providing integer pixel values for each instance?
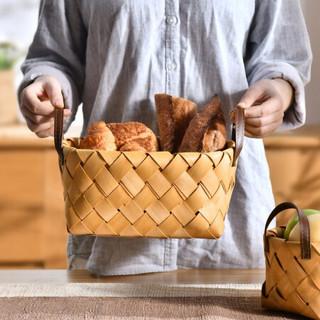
(18, 135)
(190, 276)
(307, 136)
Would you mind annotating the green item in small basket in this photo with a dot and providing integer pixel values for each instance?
(295, 220)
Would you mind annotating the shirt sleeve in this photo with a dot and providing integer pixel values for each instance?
(279, 47)
(58, 50)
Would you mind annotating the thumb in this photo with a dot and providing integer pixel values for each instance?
(252, 95)
(242, 105)
(53, 90)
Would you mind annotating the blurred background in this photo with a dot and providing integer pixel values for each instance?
(32, 227)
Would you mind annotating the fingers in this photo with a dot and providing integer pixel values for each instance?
(263, 109)
(254, 95)
(261, 120)
(38, 101)
(261, 131)
(45, 133)
(44, 129)
(34, 101)
(264, 113)
(53, 90)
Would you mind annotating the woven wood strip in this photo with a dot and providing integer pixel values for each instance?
(171, 199)
(135, 158)
(200, 168)
(175, 168)
(190, 157)
(145, 198)
(157, 194)
(292, 284)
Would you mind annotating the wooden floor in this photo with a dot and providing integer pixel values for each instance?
(216, 276)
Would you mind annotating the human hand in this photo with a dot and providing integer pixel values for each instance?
(265, 103)
(38, 101)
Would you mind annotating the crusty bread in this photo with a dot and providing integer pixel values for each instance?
(207, 130)
(129, 136)
(181, 129)
(133, 136)
(139, 144)
(99, 137)
(174, 115)
(215, 136)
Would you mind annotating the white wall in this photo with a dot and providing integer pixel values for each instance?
(18, 19)
(18, 22)
(311, 9)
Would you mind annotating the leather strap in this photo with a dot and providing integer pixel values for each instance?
(238, 133)
(304, 228)
(58, 133)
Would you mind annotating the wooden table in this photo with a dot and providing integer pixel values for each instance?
(175, 277)
(181, 294)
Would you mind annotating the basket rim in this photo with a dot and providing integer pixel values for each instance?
(73, 143)
(271, 235)
(237, 134)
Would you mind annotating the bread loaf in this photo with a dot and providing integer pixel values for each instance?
(129, 136)
(174, 115)
(99, 137)
(207, 130)
(139, 144)
(133, 136)
(215, 136)
(181, 129)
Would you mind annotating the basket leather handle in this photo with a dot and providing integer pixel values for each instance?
(305, 244)
(58, 133)
(238, 133)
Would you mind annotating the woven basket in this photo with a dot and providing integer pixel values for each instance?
(292, 269)
(155, 195)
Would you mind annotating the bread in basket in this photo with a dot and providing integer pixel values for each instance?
(147, 194)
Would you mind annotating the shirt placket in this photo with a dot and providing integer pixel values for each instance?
(172, 67)
(172, 46)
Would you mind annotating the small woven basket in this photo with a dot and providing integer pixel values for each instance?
(292, 269)
(155, 194)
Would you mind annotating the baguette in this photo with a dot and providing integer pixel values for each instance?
(174, 115)
(215, 136)
(207, 130)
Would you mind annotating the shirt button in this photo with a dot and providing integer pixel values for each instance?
(172, 66)
(171, 20)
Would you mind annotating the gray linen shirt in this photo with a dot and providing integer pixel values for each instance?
(114, 55)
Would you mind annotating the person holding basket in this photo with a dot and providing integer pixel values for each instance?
(113, 56)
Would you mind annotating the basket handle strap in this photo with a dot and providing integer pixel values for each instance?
(304, 228)
(238, 133)
(58, 133)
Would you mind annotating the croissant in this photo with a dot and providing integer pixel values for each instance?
(133, 136)
(129, 136)
(99, 137)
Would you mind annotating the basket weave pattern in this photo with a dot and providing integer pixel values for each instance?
(292, 284)
(156, 195)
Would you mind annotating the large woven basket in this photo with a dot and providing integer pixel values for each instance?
(156, 194)
(292, 269)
